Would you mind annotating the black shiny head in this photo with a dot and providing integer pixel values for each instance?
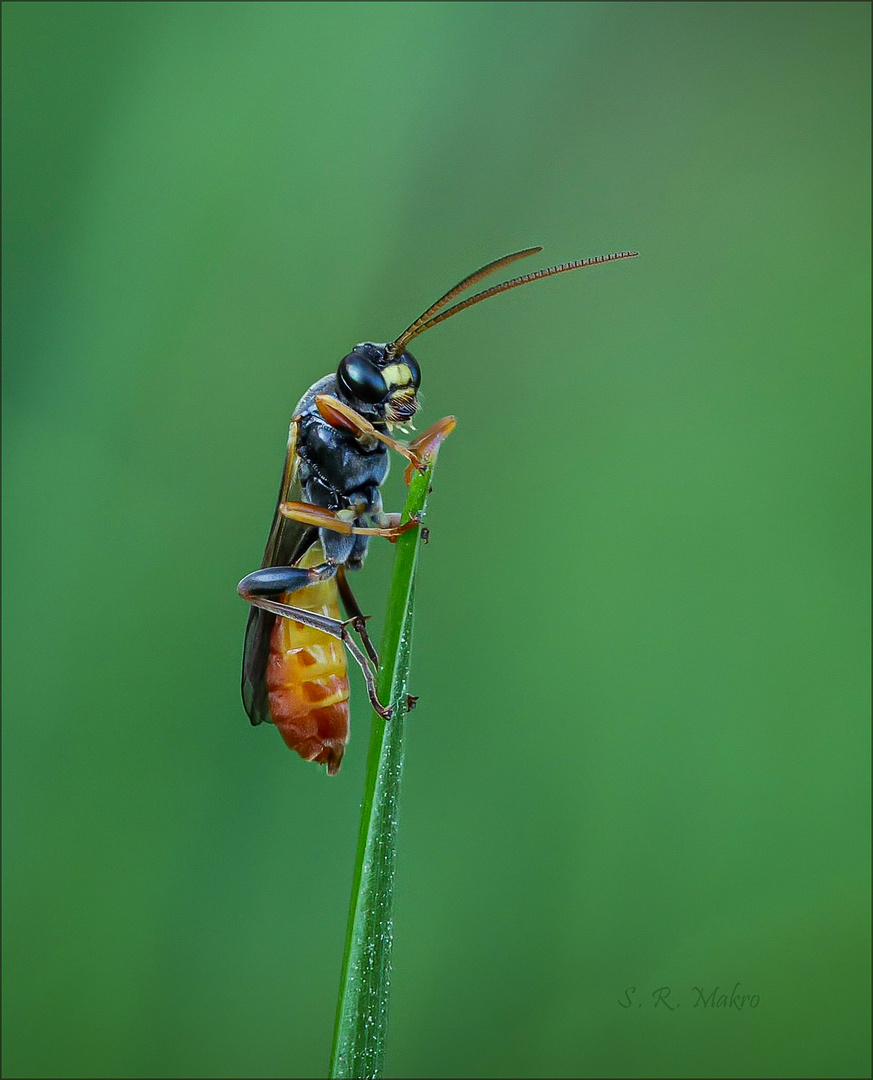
(360, 378)
(375, 381)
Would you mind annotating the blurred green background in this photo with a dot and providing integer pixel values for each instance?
(641, 754)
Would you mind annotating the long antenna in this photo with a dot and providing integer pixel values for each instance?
(425, 322)
(416, 328)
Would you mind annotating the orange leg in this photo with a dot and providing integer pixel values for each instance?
(337, 520)
(418, 453)
(427, 445)
(339, 415)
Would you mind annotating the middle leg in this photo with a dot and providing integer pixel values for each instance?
(340, 521)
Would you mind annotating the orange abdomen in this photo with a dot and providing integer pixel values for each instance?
(306, 676)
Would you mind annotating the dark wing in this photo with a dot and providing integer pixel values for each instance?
(287, 543)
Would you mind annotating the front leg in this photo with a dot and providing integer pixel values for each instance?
(426, 446)
(342, 416)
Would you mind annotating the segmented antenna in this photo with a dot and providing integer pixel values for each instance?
(425, 321)
(415, 329)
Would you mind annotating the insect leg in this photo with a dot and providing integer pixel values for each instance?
(338, 520)
(353, 609)
(339, 415)
(392, 528)
(351, 605)
(368, 673)
(261, 588)
(426, 446)
(271, 581)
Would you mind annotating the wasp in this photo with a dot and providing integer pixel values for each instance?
(329, 506)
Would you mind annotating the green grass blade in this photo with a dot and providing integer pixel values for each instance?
(362, 1008)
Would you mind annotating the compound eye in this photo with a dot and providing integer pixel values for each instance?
(360, 379)
(410, 361)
